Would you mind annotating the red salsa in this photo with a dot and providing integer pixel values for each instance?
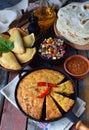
(77, 66)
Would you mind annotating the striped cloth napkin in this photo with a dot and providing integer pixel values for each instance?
(8, 15)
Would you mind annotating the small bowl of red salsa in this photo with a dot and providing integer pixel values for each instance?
(77, 66)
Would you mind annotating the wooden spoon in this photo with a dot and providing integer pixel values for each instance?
(81, 126)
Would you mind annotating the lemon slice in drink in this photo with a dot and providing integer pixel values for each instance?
(29, 40)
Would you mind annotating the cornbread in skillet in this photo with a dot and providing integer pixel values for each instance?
(52, 110)
(65, 102)
(32, 92)
(27, 98)
(65, 87)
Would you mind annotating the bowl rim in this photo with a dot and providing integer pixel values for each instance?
(73, 56)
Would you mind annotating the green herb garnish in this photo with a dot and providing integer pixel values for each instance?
(5, 46)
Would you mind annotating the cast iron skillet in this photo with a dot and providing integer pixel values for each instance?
(69, 114)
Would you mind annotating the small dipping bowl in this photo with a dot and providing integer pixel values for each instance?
(77, 66)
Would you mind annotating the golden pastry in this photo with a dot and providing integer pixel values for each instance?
(65, 87)
(29, 40)
(27, 56)
(9, 61)
(17, 40)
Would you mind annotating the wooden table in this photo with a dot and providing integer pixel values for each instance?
(13, 119)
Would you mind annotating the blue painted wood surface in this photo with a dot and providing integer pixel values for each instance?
(4, 74)
(8, 3)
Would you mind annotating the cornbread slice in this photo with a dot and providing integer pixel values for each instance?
(66, 87)
(28, 101)
(65, 102)
(44, 75)
(52, 111)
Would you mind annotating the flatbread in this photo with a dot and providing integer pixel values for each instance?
(73, 22)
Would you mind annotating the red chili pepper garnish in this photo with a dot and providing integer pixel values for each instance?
(41, 84)
(46, 84)
(46, 92)
(52, 85)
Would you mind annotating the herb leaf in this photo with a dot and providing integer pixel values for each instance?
(9, 45)
(5, 46)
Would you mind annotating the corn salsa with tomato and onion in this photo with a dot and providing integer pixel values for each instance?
(52, 48)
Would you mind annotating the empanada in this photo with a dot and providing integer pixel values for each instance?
(27, 56)
(29, 40)
(22, 32)
(9, 61)
(17, 40)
